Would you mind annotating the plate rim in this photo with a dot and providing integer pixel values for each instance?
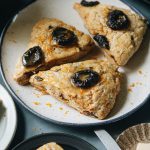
(106, 122)
(7, 144)
(54, 133)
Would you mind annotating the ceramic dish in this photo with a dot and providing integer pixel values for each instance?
(68, 142)
(129, 139)
(8, 119)
(134, 90)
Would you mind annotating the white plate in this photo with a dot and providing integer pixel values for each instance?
(8, 119)
(16, 40)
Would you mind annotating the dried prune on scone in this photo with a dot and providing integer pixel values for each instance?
(63, 36)
(102, 41)
(117, 20)
(85, 79)
(32, 57)
(89, 3)
(53, 53)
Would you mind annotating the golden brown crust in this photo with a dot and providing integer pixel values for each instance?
(50, 146)
(96, 101)
(124, 43)
(53, 55)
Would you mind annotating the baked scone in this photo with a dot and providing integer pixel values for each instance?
(50, 146)
(118, 31)
(53, 42)
(89, 86)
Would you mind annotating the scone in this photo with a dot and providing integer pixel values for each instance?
(50, 146)
(118, 31)
(53, 42)
(90, 86)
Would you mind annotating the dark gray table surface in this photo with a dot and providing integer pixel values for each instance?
(29, 124)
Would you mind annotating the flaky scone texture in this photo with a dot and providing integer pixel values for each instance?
(123, 43)
(50, 146)
(96, 101)
(53, 54)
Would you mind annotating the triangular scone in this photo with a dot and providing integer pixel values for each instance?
(49, 38)
(50, 146)
(123, 42)
(95, 97)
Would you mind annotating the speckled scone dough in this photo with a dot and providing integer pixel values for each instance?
(95, 101)
(50, 146)
(53, 54)
(123, 43)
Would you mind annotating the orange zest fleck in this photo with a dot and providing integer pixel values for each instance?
(36, 103)
(48, 104)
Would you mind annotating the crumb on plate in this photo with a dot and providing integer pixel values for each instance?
(132, 85)
(140, 72)
(129, 90)
(66, 112)
(60, 108)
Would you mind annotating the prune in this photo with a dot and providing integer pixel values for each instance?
(63, 36)
(102, 41)
(32, 57)
(117, 20)
(85, 78)
(89, 4)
